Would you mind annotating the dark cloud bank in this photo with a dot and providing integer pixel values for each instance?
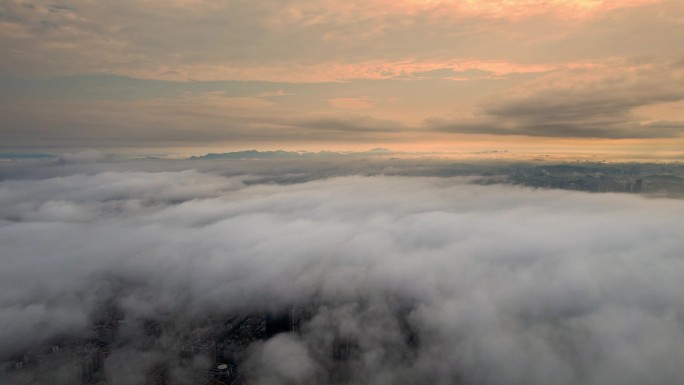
(430, 280)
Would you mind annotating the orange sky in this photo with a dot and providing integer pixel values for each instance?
(531, 76)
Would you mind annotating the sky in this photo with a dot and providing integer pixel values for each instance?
(498, 284)
(586, 76)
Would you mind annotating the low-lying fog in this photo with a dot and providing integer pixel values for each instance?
(498, 284)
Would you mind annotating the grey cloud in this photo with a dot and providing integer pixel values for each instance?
(431, 280)
(626, 129)
(351, 123)
(564, 104)
(159, 122)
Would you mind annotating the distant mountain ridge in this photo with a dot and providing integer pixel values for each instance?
(280, 154)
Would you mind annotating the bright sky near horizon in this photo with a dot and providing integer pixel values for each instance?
(593, 76)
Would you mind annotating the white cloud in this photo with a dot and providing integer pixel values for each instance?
(498, 284)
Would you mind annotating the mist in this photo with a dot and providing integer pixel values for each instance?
(427, 279)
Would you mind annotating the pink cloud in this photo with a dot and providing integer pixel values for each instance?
(514, 9)
(331, 71)
(361, 103)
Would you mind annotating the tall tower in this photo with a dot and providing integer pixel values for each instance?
(638, 186)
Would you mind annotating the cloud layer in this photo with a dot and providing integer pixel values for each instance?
(305, 40)
(433, 279)
(310, 72)
(582, 103)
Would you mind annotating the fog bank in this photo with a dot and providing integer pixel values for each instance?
(433, 280)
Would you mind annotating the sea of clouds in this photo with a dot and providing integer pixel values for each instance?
(436, 280)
